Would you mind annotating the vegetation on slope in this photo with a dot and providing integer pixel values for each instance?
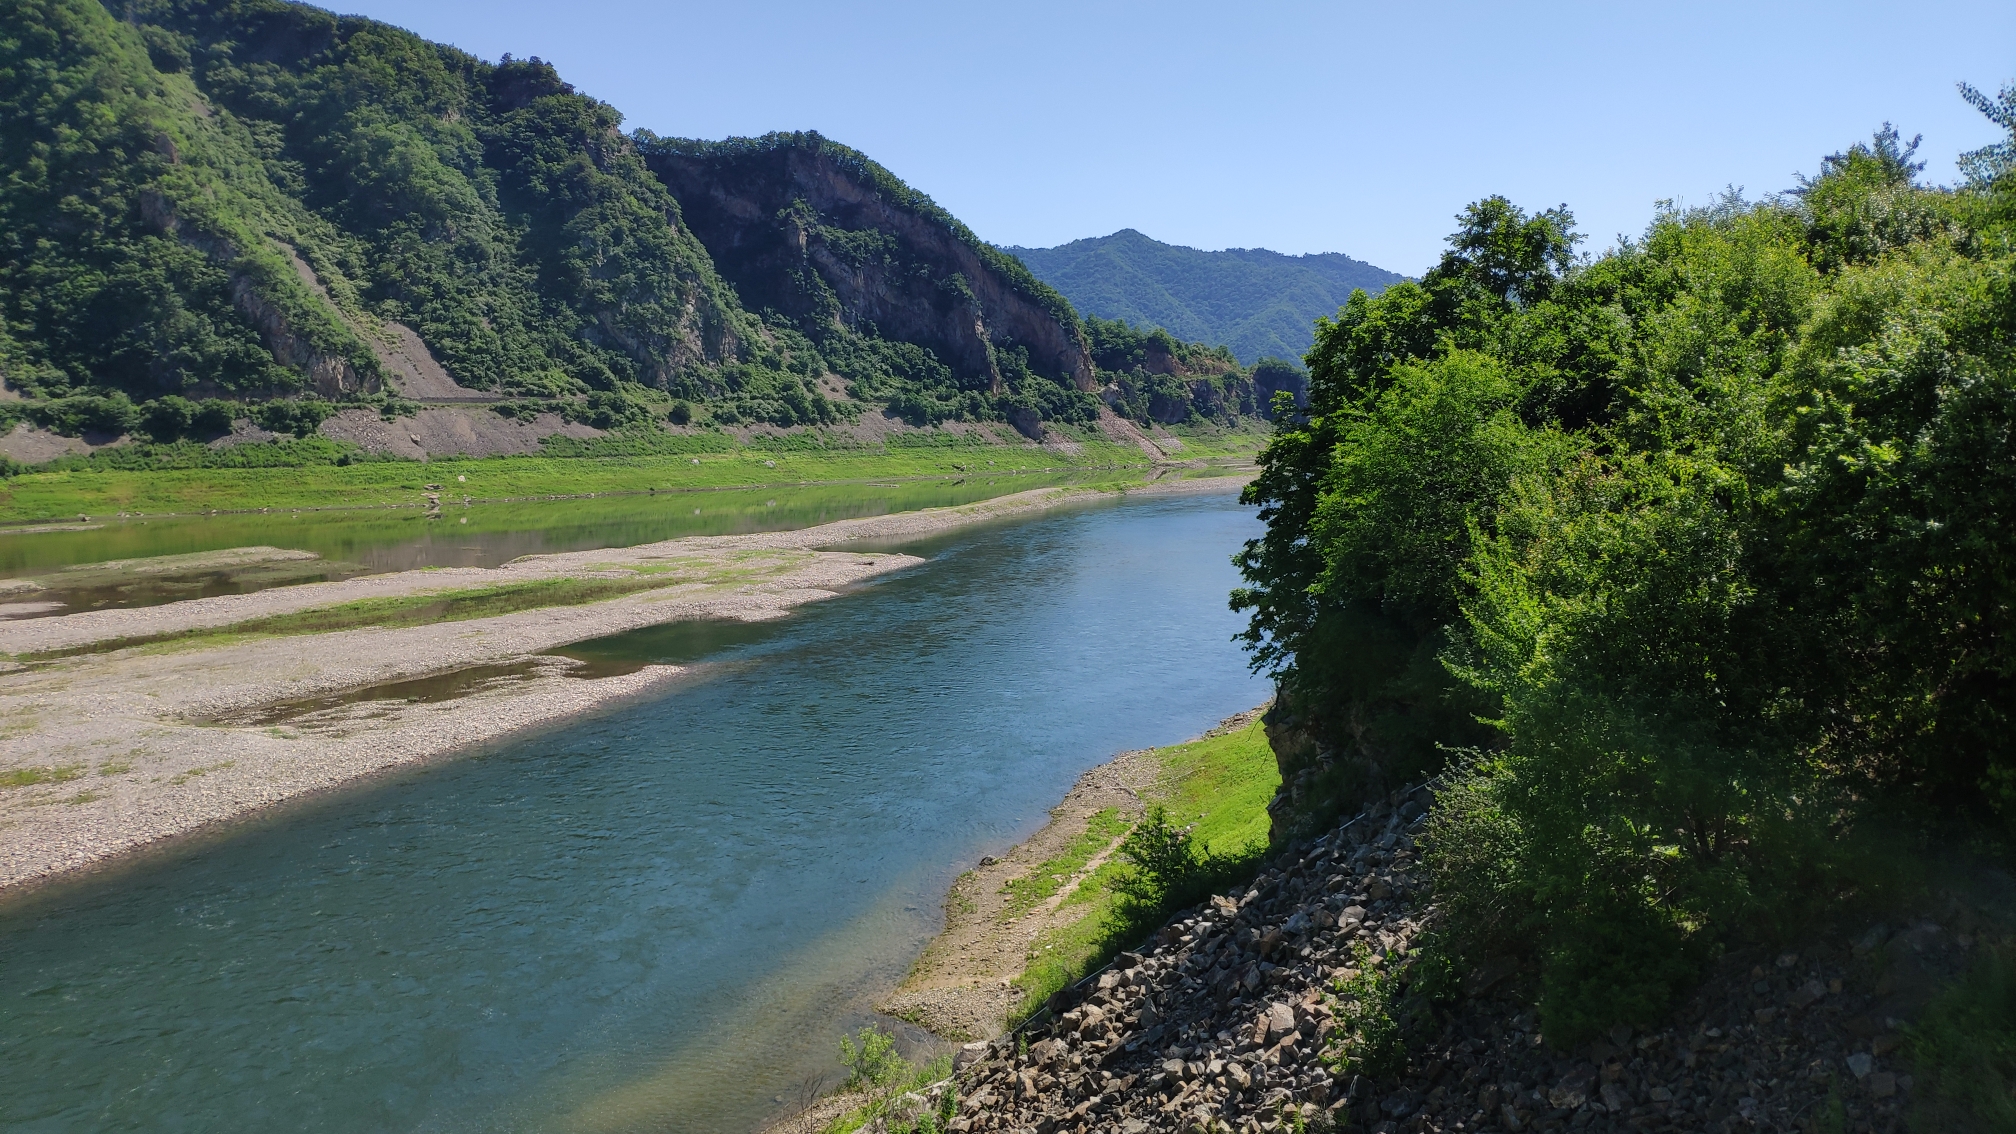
(1207, 824)
(206, 205)
(1260, 304)
(1700, 548)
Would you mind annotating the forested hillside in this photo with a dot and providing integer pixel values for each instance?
(215, 208)
(1693, 563)
(1260, 304)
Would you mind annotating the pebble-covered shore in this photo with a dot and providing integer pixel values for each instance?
(1222, 1023)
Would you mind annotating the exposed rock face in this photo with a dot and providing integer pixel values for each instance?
(1269, 381)
(816, 231)
(262, 301)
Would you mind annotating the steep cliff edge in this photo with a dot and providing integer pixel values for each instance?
(815, 231)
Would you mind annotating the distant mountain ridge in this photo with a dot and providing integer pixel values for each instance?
(1257, 302)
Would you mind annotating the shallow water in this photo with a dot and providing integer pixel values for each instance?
(659, 918)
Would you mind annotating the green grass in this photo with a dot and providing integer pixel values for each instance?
(1963, 1052)
(57, 495)
(1219, 787)
(1038, 885)
(29, 777)
(1221, 784)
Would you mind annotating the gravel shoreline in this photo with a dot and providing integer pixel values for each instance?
(105, 753)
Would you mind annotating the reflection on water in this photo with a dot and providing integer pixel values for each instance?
(671, 643)
(660, 918)
(488, 534)
(430, 690)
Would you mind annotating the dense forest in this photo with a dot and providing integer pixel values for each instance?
(220, 208)
(1689, 565)
(1259, 304)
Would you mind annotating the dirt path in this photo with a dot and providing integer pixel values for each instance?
(102, 753)
(963, 986)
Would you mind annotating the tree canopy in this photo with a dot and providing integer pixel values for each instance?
(1690, 557)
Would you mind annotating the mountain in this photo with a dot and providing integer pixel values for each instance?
(1257, 302)
(210, 205)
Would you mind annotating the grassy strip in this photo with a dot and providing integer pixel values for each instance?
(29, 777)
(1963, 1051)
(392, 613)
(1038, 885)
(1217, 786)
(47, 495)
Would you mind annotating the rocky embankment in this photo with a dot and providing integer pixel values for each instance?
(1229, 1020)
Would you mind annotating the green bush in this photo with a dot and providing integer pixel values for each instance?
(1963, 1052)
(871, 1059)
(86, 413)
(299, 417)
(174, 417)
(1699, 547)
(1367, 1038)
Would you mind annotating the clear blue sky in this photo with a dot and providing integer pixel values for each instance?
(1300, 127)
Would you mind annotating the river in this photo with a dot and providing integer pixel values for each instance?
(658, 918)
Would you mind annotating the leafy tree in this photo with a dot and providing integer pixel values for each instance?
(1699, 548)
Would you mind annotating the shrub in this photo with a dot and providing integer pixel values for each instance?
(1964, 1052)
(1170, 870)
(871, 1059)
(299, 417)
(1367, 1039)
(1701, 547)
(86, 413)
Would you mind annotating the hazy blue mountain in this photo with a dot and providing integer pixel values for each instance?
(1257, 302)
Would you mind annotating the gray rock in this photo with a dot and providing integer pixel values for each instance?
(1280, 1021)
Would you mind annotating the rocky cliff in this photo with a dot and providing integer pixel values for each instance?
(815, 231)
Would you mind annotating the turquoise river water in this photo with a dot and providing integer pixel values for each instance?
(657, 918)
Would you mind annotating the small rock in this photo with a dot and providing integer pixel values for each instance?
(1787, 960)
(1871, 940)
(1280, 1020)
(1882, 1084)
(1510, 1117)
(1765, 1015)
(1807, 993)
(1616, 1098)
(1659, 1095)
(1573, 1089)
(1861, 1063)
(1884, 1045)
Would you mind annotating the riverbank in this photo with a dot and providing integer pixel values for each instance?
(119, 744)
(666, 464)
(1023, 924)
